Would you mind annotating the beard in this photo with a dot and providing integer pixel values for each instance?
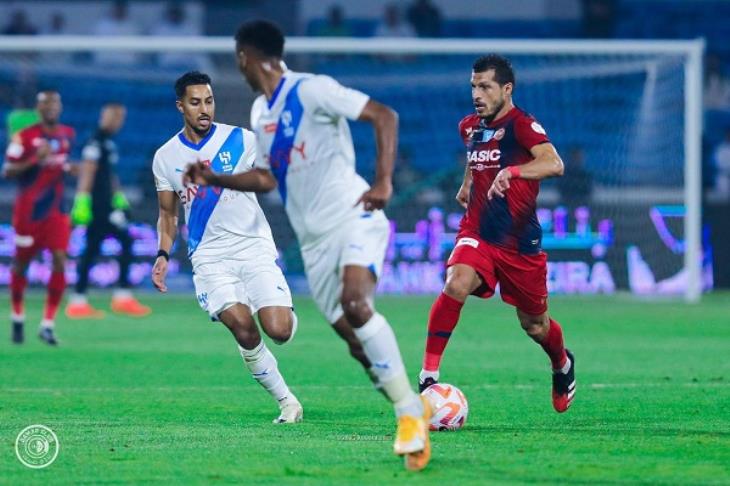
(488, 118)
(200, 131)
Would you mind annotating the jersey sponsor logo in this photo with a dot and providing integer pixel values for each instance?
(537, 128)
(484, 155)
(206, 198)
(480, 167)
(468, 241)
(487, 135)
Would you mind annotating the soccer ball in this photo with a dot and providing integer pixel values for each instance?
(449, 406)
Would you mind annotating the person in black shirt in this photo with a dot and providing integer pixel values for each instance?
(101, 205)
(576, 186)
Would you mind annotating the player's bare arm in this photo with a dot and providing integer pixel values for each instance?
(87, 174)
(166, 231)
(462, 197)
(546, 163)
(255, 180)
(385, 122)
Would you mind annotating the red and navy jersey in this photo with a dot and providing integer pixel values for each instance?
(40, 188)
(509, 222)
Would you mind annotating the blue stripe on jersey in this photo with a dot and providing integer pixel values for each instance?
(286, 132)
(277, 90)
(206, 198)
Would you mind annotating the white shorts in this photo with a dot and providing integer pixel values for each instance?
(361, 242)
(254, 283)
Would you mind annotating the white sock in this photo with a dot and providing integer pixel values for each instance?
(294, 325)
(17, 317)
(262, 365)
(565, 368)
(381, 348)
(77, 298)
(428, 374)
(122, 294)
(48, 323)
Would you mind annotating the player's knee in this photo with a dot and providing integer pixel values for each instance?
(457, 287)
(356, 307)
(246, 335)
(280, 330)
(535, 326)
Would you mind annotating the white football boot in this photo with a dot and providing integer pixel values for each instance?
(291, 412)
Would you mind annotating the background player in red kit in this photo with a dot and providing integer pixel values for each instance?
(499, 238)
(38, 157)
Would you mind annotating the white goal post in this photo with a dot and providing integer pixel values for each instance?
(691, 51)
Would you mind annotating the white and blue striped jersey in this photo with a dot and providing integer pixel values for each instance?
(222, 224)
(304, 139)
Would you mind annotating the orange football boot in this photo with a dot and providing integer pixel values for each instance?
(83, 310)
(411, 439)
(129, 306)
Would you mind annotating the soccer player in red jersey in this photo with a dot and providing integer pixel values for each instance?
(38, 158)
(499, 237)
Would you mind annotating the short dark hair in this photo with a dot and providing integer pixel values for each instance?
(264, 36)
(191, 78)
(503, 72)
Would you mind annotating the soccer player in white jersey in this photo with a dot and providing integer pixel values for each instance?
(304, 141)
(229, 240)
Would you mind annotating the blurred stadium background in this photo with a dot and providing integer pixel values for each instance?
(614, 223)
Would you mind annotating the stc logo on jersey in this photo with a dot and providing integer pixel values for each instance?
(192, 191)
(477, 159)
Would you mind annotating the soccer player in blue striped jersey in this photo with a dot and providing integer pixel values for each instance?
(229, 240)
(305, 148)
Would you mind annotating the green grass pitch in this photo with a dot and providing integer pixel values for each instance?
(167, 400)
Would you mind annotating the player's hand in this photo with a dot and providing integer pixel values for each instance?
(198, 173)
(377, 196)
(462, 197)
(72, 169)
(159, 272)
(42, 151)
(500, 184)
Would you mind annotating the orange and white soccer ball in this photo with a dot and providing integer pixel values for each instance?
(449, 406)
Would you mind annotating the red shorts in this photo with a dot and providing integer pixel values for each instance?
(522, 278)
(50, 233)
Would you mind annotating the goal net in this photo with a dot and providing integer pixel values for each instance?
(625, 117)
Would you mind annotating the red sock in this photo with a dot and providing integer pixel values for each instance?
(17, 289)
(441, 322)
(553, 345)
(56, 286)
